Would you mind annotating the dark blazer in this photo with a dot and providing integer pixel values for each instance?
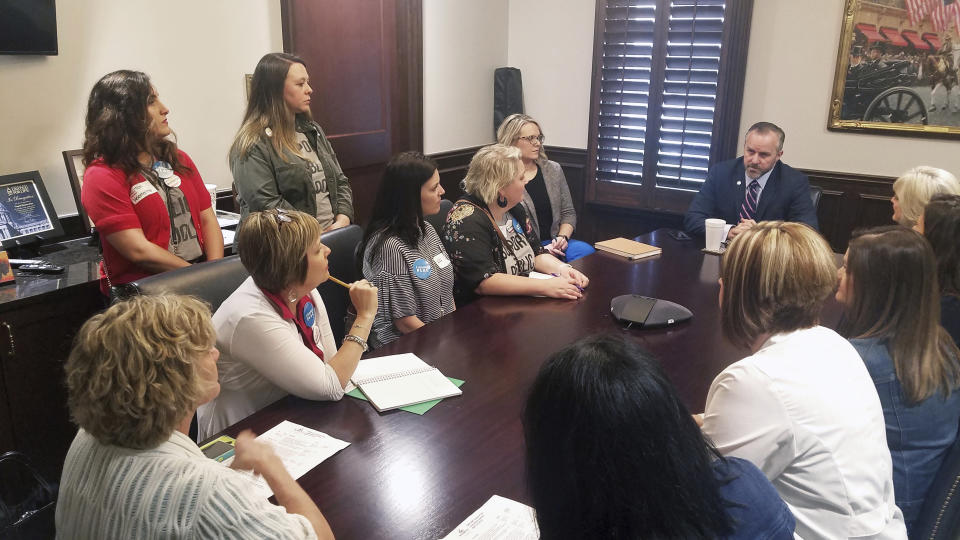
(785, 197)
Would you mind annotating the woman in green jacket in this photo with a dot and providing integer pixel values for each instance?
(280, 157)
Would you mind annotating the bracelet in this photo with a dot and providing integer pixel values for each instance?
(565, 237)
(358, 340)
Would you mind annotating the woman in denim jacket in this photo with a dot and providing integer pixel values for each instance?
(888, 287)
(281, 158)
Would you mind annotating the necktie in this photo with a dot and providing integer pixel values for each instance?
(748, 210)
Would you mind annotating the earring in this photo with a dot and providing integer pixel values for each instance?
(501, 201)
(292, 296)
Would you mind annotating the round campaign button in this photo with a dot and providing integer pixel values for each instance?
(517, 227)
(309, 314)
(172, 181)
(422, 269)
(163, 169)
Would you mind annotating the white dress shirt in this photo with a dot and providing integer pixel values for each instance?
(171, 491)
(804, 410)
(263, 358)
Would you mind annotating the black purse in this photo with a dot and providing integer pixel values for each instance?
(27, 501)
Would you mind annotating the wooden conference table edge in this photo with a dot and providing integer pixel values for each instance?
(409, 476)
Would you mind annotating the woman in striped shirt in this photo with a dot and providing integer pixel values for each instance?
(402, 254)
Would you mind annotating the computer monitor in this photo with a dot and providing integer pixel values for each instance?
(27, 218)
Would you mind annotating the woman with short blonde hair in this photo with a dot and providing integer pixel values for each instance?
(135, 376)
(547, 199)
(491, 239)
(913, 190)
(801, 406)
(273, 332)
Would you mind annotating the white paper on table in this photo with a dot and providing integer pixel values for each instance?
(298, 447)
(384, 365)
(227, 219)
(228, 236)
(540, 275)
(498, 519)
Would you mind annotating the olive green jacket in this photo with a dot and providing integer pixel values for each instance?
(263, 180)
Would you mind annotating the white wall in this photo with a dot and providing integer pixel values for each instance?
(793, 50)
(463, 42)
(551, 42)
(197, 63)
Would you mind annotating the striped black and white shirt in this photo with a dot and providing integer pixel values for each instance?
(410, 280)
(171, 491)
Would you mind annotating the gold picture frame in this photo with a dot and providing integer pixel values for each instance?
(889, 64)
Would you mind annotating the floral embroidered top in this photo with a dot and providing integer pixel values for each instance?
(478, 250)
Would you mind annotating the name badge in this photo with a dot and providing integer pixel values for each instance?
(422, 268)
(517, 227)
(441, 260)
(141, 190)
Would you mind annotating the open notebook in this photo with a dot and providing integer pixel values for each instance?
(395, 381)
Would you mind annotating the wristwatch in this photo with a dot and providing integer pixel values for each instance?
(358, 340)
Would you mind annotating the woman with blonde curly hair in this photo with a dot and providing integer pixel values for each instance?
(491, 239)
(802, 406)
(913, 190)
(135, 377)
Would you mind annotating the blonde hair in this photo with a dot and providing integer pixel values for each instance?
(915, 187)
(492, 168)
(274, 250)
(509, 132)
(132, 375)
(267, 113)
(776, 276)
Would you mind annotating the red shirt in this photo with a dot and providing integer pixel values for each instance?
(108, 197)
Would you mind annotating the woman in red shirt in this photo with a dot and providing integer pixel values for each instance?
(144, 196)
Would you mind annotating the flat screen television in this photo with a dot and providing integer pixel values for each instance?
(27, 217)
(28, 27)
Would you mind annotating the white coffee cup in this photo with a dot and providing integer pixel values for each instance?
(714, 233)
(212, 190)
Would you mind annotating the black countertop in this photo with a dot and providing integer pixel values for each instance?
(79, 260)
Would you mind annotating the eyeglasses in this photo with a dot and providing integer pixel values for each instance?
(531, 139)
(281, 217)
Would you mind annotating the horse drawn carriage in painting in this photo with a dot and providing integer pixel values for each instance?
(878, 92)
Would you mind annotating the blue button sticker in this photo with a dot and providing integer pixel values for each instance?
(516, 227)
(422, 269)
(309, 314)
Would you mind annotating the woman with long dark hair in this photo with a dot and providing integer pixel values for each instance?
(402, 254)
(888, 287)
(280, 157)
(613, 453)
(143, 194)
(940, 225)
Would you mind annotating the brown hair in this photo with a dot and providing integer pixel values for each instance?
(894, 295)
(776, 277)
(762, 128)
(273, 246)
(941, 227)
(132, 375)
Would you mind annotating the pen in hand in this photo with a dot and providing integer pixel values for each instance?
(340, 283)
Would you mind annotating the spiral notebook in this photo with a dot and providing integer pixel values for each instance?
(399, 380)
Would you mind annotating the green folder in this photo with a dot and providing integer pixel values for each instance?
(419, 408)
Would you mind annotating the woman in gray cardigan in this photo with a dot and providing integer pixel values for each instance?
(547, 197)
(280, 157)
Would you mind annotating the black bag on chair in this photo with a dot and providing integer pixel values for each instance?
(27, 501)
(507, 95)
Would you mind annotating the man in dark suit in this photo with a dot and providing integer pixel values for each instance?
(754, 187)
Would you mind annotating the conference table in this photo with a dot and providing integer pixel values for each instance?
(411, 476)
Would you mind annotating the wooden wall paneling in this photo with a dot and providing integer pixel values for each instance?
(851, 201)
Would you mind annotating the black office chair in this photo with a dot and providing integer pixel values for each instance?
(939, 517)
(211, 281)
(438, 219)
(343, 245)
(815, 193)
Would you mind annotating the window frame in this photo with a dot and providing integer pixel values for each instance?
(726, 121)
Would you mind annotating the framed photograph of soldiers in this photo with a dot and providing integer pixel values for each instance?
(896, 69)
